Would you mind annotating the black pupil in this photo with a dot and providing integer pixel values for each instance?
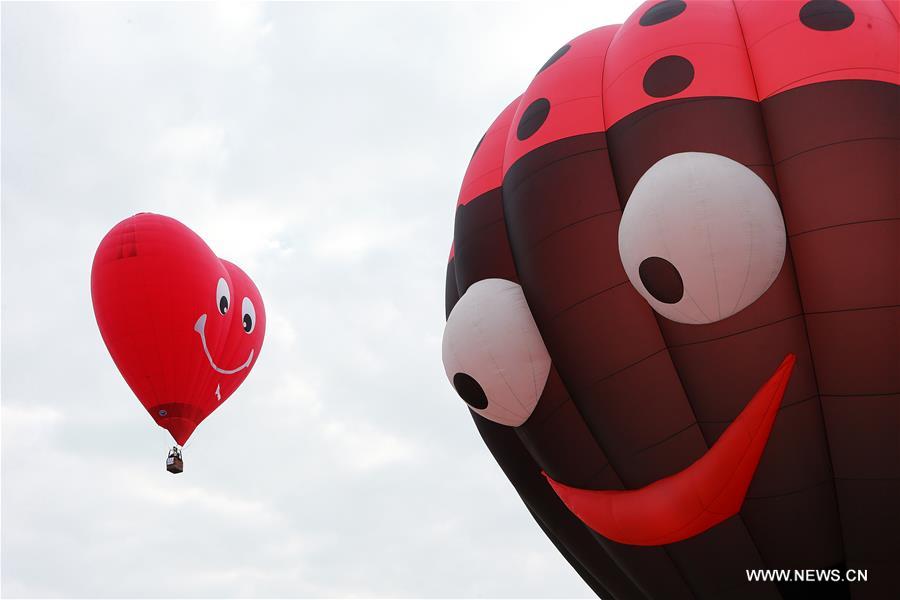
(223, 305)
(661, 279)
(470, 391)
(248, 323)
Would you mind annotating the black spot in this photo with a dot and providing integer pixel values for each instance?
(248, 323)
(668, 76)
(470, 391)
(661, 279)
(478, 146)
(223, 305)
(556, 56)
(826, 15)
(532, 119)
(663, 11)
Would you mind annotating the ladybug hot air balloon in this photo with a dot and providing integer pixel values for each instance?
(673, 300)
(183, 326)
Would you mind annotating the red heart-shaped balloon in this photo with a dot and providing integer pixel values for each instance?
(183, 326)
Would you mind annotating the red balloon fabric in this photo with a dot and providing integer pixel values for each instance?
(691, 501)
(183, 326)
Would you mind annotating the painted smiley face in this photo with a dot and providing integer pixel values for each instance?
(184, 326)
(663, 255)
(496, 359)
(247, 318)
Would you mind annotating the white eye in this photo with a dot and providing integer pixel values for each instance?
(223, 296)
(701, 237)
(493, 353)
(248, 315)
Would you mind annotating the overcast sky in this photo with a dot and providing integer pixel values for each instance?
(319, 147)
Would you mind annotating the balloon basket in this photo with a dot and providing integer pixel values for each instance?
(174, 464)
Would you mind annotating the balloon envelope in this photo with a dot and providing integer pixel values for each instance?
(700, 209)
(183, 326)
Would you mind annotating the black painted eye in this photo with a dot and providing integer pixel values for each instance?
(223, 296)
(249, 318)
(470, 391)
(661, 279)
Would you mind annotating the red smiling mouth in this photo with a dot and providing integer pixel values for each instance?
(691, 501)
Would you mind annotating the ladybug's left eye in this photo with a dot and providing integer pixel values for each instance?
(248, 317)
(701, 237)
(223, 296)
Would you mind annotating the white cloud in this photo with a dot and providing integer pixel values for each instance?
(191, 144)
(24, 426)
(364, 447)
(320, 147)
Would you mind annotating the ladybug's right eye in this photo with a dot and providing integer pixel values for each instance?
(223, 296)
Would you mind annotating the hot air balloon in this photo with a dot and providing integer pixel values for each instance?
(673, 299)
(183, 326)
